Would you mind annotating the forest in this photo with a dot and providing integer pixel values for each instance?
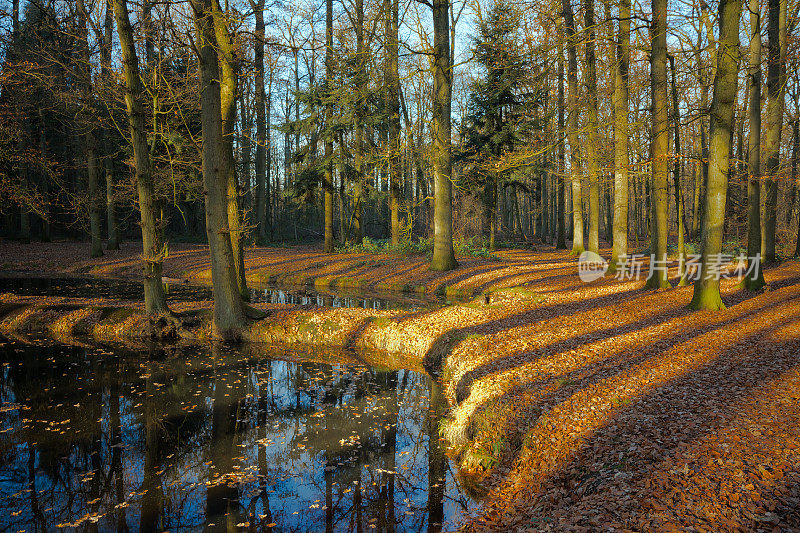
(452, 126)
(576, 224)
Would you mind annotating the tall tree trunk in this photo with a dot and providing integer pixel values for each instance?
(154, 249)
(561, 243)
(619, 248)
(793, 178)
(659, 185)
(267, 210)
(676, 178)
(590, 147)
(96, 200)
(246, 199)
(261, 124)
(756, 280)
(45, 181)
(443, 255)
(228, 85)
(776, 89)
(700, 180)
(391, 9)
(114, 237)
(795, 149)
(229, 311)
(706, 288)
(572, 125)
(545, 177)
(90, 138)
(358, 187)
(328, 178)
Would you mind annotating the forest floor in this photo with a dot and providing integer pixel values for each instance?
(576, 406)
(300, 265)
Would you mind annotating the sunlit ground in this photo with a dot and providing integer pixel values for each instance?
(594, 405)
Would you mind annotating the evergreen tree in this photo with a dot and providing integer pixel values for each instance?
(498, 121)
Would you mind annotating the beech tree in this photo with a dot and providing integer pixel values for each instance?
(706, 289)
(443, 254)
(776, 94)
(754, 152)
(659, 184)
(229, 310)
(623, 55)
(154, 247)
(591, 145)
(572, 128)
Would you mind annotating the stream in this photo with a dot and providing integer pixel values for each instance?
(93, 287)
(101, 437)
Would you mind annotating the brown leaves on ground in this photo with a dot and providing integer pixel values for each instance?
(584, 407)
(619, 408)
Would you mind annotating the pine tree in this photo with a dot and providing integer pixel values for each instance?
(497, 123)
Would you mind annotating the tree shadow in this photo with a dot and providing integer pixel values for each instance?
(684, 409)
(443, 346)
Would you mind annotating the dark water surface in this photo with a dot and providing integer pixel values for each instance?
(92, 287)
(103, 438)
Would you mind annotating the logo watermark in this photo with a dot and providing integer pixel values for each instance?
(592, 266)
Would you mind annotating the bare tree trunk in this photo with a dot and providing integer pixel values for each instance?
(795, 148)
(590, 147)
(261, 125)
(247, 198)
(328, 178)
(229, 85)
(561, 243)
(659, 185)
(676, 178)
(619, 249)
(755, 281)
(443, 255)
(572, 125)
(268, 228)
(391, 8)
(358, 187)
(154, 249)
(90, 137)
(706, 288)
(776, 91)
(229, 311)
(114, 237)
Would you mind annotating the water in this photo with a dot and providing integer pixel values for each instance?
(188, 438)
(88, 287)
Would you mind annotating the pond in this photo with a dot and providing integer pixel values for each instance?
(183, 438)
(93, 287)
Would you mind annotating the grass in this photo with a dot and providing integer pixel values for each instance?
(472, 247)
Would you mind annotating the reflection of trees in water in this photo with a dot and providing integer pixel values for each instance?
(437, 462)
(222, 496)
(175, 434)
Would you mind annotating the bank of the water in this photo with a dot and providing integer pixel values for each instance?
(423, 336)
